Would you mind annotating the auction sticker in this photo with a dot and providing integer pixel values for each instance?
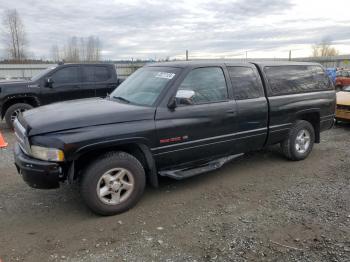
(165, 75)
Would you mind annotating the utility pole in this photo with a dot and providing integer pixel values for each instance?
(290, 55)
(186, 55)
(246, 55)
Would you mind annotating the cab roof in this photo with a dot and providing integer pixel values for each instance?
(195, 63)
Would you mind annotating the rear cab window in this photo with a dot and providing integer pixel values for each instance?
(294, 79)
(246, 82)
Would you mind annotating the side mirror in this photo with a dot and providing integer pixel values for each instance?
(182, 97)
(185, 97)
(172, 103)
(49, 82)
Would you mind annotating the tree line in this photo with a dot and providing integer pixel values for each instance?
(76, 49)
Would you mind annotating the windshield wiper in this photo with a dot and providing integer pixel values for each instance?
(122, 99)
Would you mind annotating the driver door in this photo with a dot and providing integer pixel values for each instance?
(200, 127)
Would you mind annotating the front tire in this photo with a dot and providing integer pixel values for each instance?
(300, 141)
(13, 112)
(113, 184)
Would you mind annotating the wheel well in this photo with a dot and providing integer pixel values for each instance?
(314, 120)
(132, 149)
(34, 102)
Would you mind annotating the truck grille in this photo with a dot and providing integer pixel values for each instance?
(343, 107)
(21, 137)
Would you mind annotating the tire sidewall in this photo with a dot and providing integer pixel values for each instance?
(96, 170)
(302, 125)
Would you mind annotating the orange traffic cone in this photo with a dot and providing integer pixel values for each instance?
(2, 141)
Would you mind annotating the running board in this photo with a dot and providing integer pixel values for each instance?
(179, 174)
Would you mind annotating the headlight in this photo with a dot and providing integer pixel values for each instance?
(47, 154)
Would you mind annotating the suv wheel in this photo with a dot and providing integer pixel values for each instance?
(13, 112)
(300, 141)
(113, 184)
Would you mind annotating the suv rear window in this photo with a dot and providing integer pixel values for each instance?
(95, 73)
(292, 79)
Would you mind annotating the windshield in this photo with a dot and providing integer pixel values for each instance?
(42, 73)
(145, 85)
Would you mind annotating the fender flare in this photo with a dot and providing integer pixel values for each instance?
(317, 124)
(140, 143)
(20, 96)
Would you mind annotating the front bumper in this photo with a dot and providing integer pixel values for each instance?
(37, 173)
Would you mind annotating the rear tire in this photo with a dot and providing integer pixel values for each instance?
(113, 184)
(13, 111)
(299, 143)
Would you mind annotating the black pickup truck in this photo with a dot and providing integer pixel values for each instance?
(60, 83)
(175, 119)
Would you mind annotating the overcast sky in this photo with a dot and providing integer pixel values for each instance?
(208, 29)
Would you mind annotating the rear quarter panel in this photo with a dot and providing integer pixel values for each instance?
(286, 109)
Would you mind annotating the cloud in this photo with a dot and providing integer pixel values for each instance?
(157, 29)
(245, 9)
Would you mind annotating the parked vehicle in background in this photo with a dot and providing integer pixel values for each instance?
(343, 105)
(60, 83)
(172, 119)
(332, 73)
(342, 79)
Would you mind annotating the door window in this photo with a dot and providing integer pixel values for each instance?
(95, 74)
(206, 85)
(245, 83)
(66, 75)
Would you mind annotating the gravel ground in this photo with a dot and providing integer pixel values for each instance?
(260, 207)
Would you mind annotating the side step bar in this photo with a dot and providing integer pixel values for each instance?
(179, 174)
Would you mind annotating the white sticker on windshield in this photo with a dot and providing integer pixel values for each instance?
(165, 75)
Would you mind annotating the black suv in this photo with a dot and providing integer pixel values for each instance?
(172, 119)
(60, 83)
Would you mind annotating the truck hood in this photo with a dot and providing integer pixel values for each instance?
(15, 86)
(82, 113)
(12, 82)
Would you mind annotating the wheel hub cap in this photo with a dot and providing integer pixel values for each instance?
(115, 186)
(302, 141)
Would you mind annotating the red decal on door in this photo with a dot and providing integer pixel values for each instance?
(170, 140)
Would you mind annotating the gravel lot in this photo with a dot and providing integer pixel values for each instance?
(260, 207)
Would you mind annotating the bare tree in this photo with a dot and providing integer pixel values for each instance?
(324, 49)
(14, 35)
(55, 53)
(93, 49)
(82, 49)
(71, 50)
